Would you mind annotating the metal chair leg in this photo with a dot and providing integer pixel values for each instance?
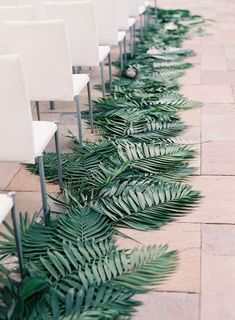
(102, 78)
(132, 41)
(125, 53)
(134, 38)
(43, 189)
(121, 56)
(90, 105)
(58, 156)
(79, 120)
(141, 28)
(146, 20)
(110, 73)
(38, 110)
(52, 105)
(17, 233)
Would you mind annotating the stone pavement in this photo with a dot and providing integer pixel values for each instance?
(204, 285)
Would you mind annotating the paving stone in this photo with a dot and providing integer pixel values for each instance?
(218, 77)
(213, 62)
(25, 181)
(218, 288)
(217, 109)
(7, 172)
(209, 93)
(192, 117)
(168, 306)
(183, 237)
(217, 204)
(218, 158)
(192, 76)
(231, 64)
(218, 127)
(218, 240)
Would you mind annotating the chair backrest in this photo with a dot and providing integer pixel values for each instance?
(16, 132)
(39, 7)
(107, 21)
(79, 18)
(44, 50)
(142, 3)
(8, 2)
(123, 12)
(13, 13)
(134, 7)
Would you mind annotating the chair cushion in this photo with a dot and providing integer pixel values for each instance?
(103, 52)
(79, 83)
(131, 22)
(6, 204)
(43, 131)
(121, 36)
(142, 9)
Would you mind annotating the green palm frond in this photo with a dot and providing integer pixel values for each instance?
(149, 129)
(145, 205)
(119, 267)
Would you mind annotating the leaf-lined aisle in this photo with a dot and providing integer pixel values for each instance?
(134, 177)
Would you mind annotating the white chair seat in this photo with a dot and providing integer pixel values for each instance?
(131, 22)
(103, 52)
(6, 205)
(121, 36)
(79, 83)
(142, 9)
(43, 131)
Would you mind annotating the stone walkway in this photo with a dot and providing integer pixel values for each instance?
(204, 285)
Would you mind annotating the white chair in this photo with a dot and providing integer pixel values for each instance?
(44, 50)
(80, 24)
(39, 7)
(138, 9)
(7, 204)
(8, 3)
(125, 22)
(23, 140)
(14, 13)
(107, 24)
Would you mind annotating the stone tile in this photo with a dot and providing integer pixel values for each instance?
(216, 108)
(196, 60)
(182, 237)
(25, 181)
(218, 77)
(214, 62)
(192, 76)
(211, 40)
(7, 172)
(218, 127)
(191, 134)
(168, 306)
(192, 117)
(209, 93)
(218, 240)
(211, 48)
(231, 64)
(218, 288)
(218, 158)
(217, 204)
(230, 53)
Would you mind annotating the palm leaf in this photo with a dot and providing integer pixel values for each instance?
(145, 205)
